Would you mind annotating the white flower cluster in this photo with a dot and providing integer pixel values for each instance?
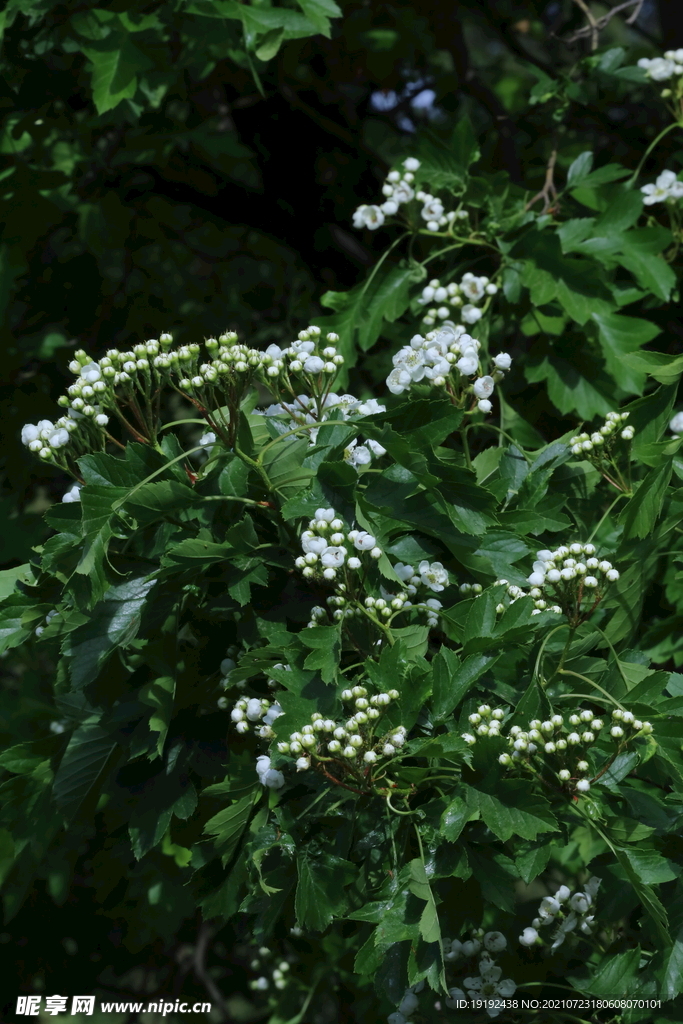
(328, 546)
(352, 738)
(408, 1005)
(571, 912)
(279, 974)
(585, 444)
(147, 367)
(561, 747)
(446, 357)
(386, 607)
(661, 69)
(489, 984)
(39, 630)
(255, 709)
(73, 494)
(676, 424)
(268, 776)
(464, 297)
(666, 187)
(304, 409)
(566, 576)
(429, 575)
(84, 402)
(397, 189)
(308, 356)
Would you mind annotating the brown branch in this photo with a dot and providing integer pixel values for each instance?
(595, 25)
(548, 193)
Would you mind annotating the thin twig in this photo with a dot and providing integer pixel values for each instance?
(596, 25)
(548, 193)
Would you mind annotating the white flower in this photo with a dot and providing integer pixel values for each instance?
(398, 380)
(528, 937)
(483, 387)
(411, 163)
(364, 541)
(433, 576)
(667, 186)
(468, 363)
(409, 1003)
(659, 69)
(473, 287)
(333, 557)
(432, 209)
(580, 902)
(549, 907)
(370, 408)
(470, 948)
(315, 545)
(495, 942)
(390, 207)
(403, 193)
(568, 925)
(454, 996)
(357, 455)
(73, 494)
(368, 217)
(326, 514)
(502, 361)
(273, 712)
(470, 314)
(314, 364)
(91, 372)
(30, 432)
(676, 424)
(254, 710)
(483, 405)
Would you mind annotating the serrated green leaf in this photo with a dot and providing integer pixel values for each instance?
(85, 757)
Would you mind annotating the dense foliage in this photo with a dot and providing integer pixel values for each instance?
(348, 658)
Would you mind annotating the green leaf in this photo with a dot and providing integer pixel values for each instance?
(384, 297)
(325, 643)
(319, 13)
(420, 887)
(616, 977)
(159, 695)
(574, 389)
(13, 628)
(10, 577)
(533, 861)
(84, 759)
(270, 44)
(455, 817)
(227, 827)
(114, 623)
(672, 975)
(513, 809)
(116, 63)
(320, 889)
(452, 679)
(664, 368)
(580, 169)
(620, 336)
(650, 866)
(641, 512)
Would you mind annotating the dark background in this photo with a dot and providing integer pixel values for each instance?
(218, 205)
